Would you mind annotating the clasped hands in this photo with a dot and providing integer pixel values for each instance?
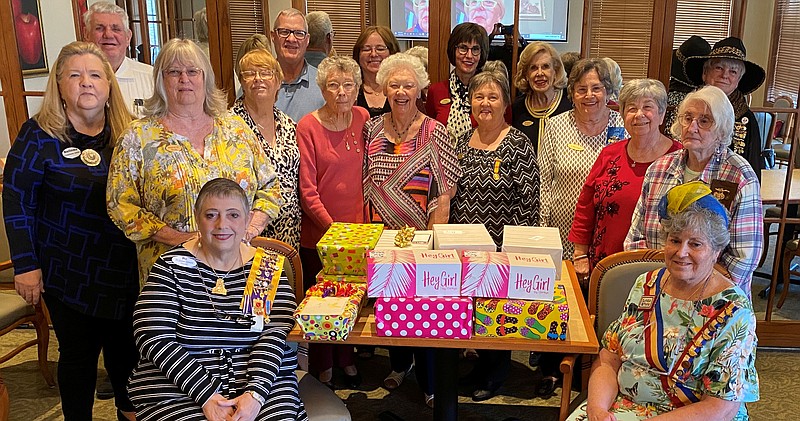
(241, 408)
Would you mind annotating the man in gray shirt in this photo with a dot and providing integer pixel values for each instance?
(299, 93)
(320, 32)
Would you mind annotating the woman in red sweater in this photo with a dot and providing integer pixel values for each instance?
(331, 155)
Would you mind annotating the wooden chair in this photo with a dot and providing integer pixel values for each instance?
(320, 402)
(612, 279)
(14, 311)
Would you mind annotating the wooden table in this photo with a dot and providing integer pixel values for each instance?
(581, 339)
(773, 182)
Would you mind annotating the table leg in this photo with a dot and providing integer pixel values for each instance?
(445, 406)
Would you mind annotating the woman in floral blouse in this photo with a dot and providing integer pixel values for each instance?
(684, 346)
(186, 139)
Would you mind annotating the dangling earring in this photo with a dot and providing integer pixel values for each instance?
(718, 153)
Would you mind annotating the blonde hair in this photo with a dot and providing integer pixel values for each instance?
(186, 52)
(260, 58)
(251, 43)
(525, 59)
(52, 117)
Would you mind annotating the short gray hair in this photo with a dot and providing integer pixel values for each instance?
(721, 111)
(696, 219)
(105, 7)
(289, 13)
(319, 26)
(393, 63)
(493, 72)
(584, 66)
(615, 73)
(201, 25)
(421, 53)
(186, 52)
(343, 64)
(643, 88)
(221, 188)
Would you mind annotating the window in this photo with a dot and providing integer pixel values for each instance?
(784, 71)
(621, 29)
(346, 27)
(710, 19)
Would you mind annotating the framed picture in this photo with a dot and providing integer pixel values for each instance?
(531, 10)
(30, 36)
(79, 7)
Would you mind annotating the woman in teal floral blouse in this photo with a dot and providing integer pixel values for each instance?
(685, 345)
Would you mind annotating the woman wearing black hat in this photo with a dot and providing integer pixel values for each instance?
(726, 68)
(679, 84)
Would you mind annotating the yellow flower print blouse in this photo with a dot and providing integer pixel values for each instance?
(155, 176)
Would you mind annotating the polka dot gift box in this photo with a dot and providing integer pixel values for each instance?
(343, 248)
(424, 317)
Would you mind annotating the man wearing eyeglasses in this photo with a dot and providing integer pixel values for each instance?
(485, 12)
(107, 27)
(299, 93)
(320, 33)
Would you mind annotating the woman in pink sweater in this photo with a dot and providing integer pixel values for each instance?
(331, 156)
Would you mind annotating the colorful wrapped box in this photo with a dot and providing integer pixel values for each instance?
(438, 273)
(497, 317)
(462, 237)
(391, 273)
(324, 277)
(424, 317)
(343, 248)
(423, 240)
(485, 274)
(329, 310)
(534, 240)
(531, 276)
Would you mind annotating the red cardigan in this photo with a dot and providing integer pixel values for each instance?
(438, 104)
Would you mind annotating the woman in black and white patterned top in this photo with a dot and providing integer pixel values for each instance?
(260, 76)
(211, 325)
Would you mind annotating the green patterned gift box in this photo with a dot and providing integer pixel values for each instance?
(343, 248)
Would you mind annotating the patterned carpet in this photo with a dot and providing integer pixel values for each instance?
(32, 400)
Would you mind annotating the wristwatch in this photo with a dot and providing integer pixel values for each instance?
(260, 399)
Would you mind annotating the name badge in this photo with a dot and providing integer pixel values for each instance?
(71, 152)
(527, 123)
(258, 326)
(445, 101)
(172, 148)
(575, 147)
(646, 302)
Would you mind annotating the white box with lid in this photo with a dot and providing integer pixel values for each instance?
(534, 240)
(462, 237)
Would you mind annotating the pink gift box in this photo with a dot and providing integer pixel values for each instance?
(532, 276)
(485, 274)
(410, 273)
(438, 273)
(424, 317)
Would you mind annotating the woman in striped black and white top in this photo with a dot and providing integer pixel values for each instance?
(211, 325)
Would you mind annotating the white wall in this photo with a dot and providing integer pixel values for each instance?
(757, 39)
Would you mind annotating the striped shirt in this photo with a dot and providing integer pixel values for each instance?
(746, 216)
(187, 354)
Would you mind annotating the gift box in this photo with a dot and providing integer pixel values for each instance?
(423, 240)
(531, 276)
(329, 310)
(497, 317)
(462, 237)
(485, 274)
(424, 317)
(410, 273)
(325, 277)
(343, 248)
(534, 240)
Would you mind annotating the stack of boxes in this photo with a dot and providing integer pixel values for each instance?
(330, 308)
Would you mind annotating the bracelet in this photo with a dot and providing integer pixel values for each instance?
(582, 256)
(261, 401)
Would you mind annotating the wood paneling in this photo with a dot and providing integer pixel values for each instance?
(11, 74)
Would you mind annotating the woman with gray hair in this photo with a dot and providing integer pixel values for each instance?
(410, 173)
(705, 127)
(542, 80)
(685, 343)
(331, 143)
(572, 141)
(499, 186)
(186, 139)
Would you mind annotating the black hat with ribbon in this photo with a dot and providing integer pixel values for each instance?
(694, 46)
(730, 48)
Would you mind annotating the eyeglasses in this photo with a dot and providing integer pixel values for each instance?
(418, 3)
(176, 73)
(335, 86)
(249, 75)
(242, 319)
(487, 4)
(463, 49)
(380, 49)
(703, 122)
(298, 33)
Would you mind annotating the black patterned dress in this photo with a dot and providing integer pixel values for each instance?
(285, 159)
(499, 187)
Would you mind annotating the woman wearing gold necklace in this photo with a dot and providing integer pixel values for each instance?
(684, 346)
(409, 178)
(211, 324)
(331, 145)
(374, 45)
(260, 76)
(541, 78)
